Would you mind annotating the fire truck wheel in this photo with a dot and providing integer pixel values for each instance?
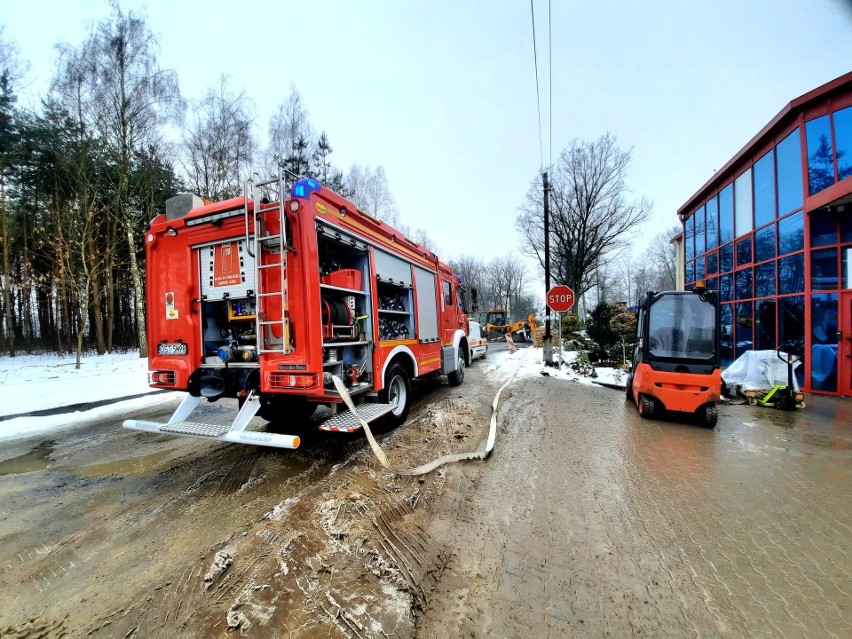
(397, 392)
(457, 376)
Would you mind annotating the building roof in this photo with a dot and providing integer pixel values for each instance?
(784, 117)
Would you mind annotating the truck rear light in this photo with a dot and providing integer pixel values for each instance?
(162, 377)
(292, 380)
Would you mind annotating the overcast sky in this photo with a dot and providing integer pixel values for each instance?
(442, 94)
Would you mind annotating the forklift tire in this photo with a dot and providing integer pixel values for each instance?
(647, 407)
(456, 377)
(628, 390)
(709, 415)
(397, 391)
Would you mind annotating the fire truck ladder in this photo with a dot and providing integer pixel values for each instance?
(265, 244)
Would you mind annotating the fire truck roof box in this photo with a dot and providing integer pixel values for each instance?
(181, 204)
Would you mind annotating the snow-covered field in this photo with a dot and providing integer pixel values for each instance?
(31, 383)
(42, 382)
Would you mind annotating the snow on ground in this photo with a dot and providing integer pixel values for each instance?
(528, 363)
(32, 383)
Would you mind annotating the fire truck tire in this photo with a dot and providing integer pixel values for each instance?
(456, 377)
(397, 391)
(647, 407)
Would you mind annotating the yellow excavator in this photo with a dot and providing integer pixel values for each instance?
(495, 324)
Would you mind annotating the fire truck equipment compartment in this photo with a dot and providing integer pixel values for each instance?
(343, 278)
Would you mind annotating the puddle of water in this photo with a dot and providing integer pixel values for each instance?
(37, 459)
(129, 466)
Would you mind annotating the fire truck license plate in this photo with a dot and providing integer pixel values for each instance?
(171, 349)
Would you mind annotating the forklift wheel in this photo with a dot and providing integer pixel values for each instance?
(647, 407)
(628, 390)
(709, 416)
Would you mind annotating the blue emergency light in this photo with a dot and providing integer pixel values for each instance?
(304, 188)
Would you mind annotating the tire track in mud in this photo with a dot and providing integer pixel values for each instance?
(346, 556)
(225, 540)
(49, 572)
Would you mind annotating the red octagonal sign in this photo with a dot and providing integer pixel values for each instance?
(560, 298)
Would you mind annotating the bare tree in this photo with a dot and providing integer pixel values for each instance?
(128, 98)
(505, 278)
(218, 143)
(663, 255)
(472, 271)
(590, 218)
(290, 136)
(369, 190)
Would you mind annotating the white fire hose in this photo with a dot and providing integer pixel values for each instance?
(425, 468)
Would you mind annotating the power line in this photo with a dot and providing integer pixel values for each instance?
(550, 89)
(537, 94)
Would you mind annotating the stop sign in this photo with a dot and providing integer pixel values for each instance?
(560, 298)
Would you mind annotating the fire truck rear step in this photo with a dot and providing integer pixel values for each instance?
(235, 433)
(348, 422)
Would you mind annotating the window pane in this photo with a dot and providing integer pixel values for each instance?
(699, 268)
(689, 237)
(726, 342)
(823, 228)
(764, 322)
(712, 284)
(726, 214)
(820, 155)
(847, 267)
(726, 258)
(824, 342)
(744, 284)
(846, 226)
(742, 203)
(791, 274)
(712, 263)
(824, 269)
(712, 223)
(764, 244)
(699, 231)
(791, 234)
(744, 334)
(843, 138)
(726, 287)
(791, 326)
(744, 251)
(764, 280)
(764, 189)
(789, 173)
(689, 275)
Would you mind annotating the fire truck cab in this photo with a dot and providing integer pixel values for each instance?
(264, 298)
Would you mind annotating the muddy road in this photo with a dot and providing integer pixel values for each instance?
(110, 533)
(585, 521)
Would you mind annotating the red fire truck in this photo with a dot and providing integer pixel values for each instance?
(265, 297)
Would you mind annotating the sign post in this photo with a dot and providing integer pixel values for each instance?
(560, 299)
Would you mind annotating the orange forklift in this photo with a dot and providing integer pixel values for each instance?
(676, 358)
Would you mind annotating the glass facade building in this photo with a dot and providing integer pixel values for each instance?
(772, 232)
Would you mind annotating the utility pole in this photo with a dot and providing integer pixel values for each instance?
(548, 339)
